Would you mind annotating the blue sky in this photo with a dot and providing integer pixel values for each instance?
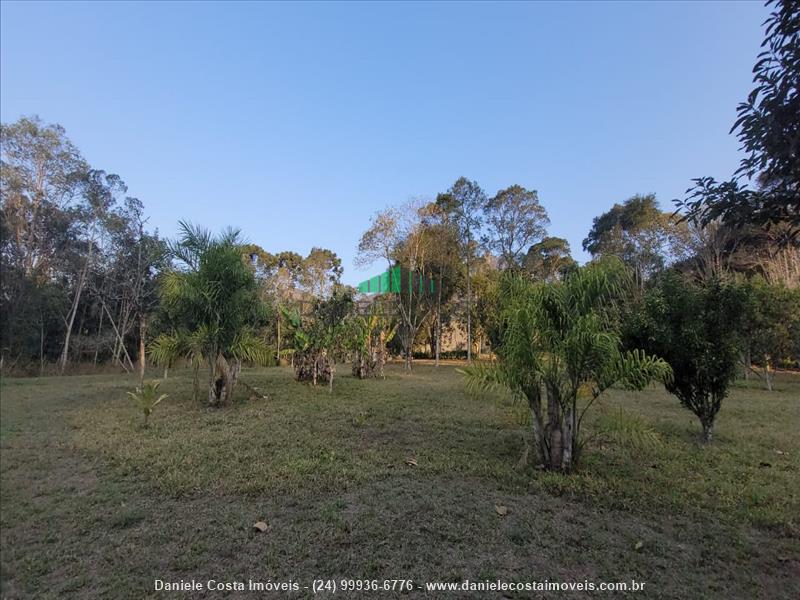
(296, 122)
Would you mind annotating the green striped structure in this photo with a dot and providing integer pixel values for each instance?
(394, 280)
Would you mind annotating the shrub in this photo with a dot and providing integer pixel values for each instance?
(695, 329)
(146, 400)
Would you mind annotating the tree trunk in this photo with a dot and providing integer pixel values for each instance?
(708, 429)
(540, 442)
(568, 440)
(41, 344)
(747, 363)
(439, 318)
(278, 358)
(553, 431)
(469, 313)
(142, 358)
(119, 339)
(99, 337)
(71, 321)
(767, 373)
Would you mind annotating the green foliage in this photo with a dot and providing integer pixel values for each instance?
(549, 260)
(367, 337)
(637, 232)
(560, 344)
(213, 298)
(768, 129)
(318, 337)
(515, 219)
(628, 430)
(147, 398)
(770, 327)
(695, 329)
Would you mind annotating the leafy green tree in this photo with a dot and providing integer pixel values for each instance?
(560, 350)
(318, 337)
(695, 328)
(770, 327)
(213, 295)
(768, 127)
(321, 272)
(636, 231)
(549, 260)
(514, 221)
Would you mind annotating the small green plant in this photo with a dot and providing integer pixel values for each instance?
(145, 397)
(628, 430)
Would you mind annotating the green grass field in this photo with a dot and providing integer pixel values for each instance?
(95, 506)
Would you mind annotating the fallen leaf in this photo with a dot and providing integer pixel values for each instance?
(261, 526)
(639, 545)
(501, 510)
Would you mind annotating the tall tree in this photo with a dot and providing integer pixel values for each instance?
(100, 194)
(41, 172)
(549, 260)
(637, 232)
(465, 202)
(407, 242)
(515, 220)
(444, 266)
(321, 271)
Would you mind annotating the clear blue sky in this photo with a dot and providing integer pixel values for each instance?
(296, 122)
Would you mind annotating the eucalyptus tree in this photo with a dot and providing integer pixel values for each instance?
(465, 201)
(321, 272)
(41, 173)
(514, 221)
(560, 351)
(214, 297)
(444, 266)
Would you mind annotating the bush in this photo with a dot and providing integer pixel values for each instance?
(695, 329)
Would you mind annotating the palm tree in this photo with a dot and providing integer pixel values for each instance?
(213, 296)
(561, 348)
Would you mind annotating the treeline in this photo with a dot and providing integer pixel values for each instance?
(82, 283)
(465, 240)
(81, 270)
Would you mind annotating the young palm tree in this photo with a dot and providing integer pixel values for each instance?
(214, 297)
(561, 350)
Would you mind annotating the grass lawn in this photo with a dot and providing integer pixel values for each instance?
(94, 506)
